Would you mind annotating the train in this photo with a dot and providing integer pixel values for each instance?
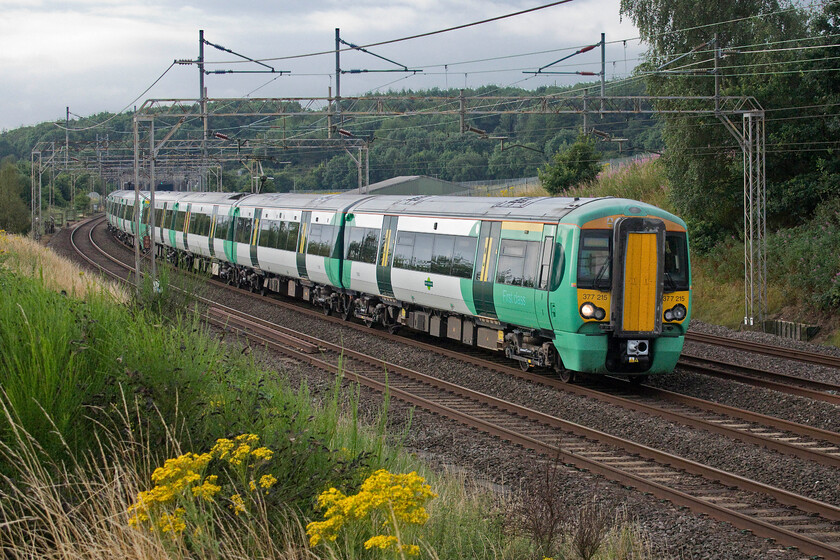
(575, 285)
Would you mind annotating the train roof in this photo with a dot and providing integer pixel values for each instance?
(547, 209)
(536, 209)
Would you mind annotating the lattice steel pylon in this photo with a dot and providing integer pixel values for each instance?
(755, 218)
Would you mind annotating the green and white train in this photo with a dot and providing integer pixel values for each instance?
(599, 285)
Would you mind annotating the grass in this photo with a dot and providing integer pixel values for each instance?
(99, 394)
(24, 256)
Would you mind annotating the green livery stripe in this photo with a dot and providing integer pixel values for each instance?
(467, 294)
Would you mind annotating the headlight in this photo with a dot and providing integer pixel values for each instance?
(590, 311)
(676, 313)
(587, 310)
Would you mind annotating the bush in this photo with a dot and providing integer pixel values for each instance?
(805, 259)
(573, 166)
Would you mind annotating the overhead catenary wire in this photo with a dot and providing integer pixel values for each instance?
(123, 109)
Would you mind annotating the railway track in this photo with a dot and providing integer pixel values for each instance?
(767, 349)
(811, 526)
(795, 439)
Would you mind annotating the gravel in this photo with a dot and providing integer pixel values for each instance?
(674, 533)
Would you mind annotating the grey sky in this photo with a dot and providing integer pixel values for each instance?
(99, 55)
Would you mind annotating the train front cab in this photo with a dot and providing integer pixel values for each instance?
(630, 280)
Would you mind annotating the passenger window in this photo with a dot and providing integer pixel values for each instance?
(442, 254)
(242, 231)
(269, 232)
(403, 250)
(369, 245)
(361, 244)
(292, 231)
(463, 256)
(353, 240)
(180, 219)
(421, 260)
(517, 263)
(222, 226)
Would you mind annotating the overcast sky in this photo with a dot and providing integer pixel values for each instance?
(99, 55)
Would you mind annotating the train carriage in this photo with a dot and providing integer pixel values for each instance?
(589, 285)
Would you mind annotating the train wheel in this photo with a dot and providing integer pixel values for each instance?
(566, 375)
(523, 365)
(327, 309)
(369, 323)
(347, 312)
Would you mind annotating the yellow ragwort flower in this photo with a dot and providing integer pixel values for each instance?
(267, 481)
(263, 453)
(237, 504)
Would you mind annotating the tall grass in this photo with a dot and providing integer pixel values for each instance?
(96, 396)
(24, 256)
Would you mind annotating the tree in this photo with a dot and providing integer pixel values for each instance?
(14, 216)
(703, 160)
(579, 163)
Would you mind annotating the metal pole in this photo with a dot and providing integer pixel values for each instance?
(203, 97)
(360, 170)
(462, 109)
(603, 71)
(329, 113)
(717, 75)
(339, 119)
(152, 155)
(136, 204)
(67, 139)
(32, 190)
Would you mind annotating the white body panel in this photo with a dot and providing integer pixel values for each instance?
(363, 277)
(444, 225)
(445, 292)
(278, 261)
(316, 269)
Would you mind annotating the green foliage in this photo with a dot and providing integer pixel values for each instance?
(704, 161)
(420, 144)
(14, 215)
(52, 360)
(806, 261)
(571, 167)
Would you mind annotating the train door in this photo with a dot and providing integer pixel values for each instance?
(638, 262)
(211, 236)
(305, 217)
(543, 284)
(387, 240)
(171, 225)
(230, 246)
(255, 233)
(186, 229)
(485, 270)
